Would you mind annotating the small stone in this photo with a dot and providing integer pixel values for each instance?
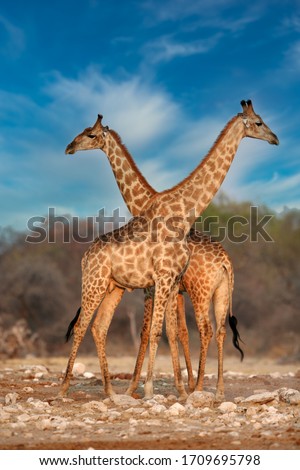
(124, 400)
(27, 389)
(78, 369)
(38, 404)
(95, 406)
(88, 375)
(251, 411)
(11, 398)
(4, 416)
(133, 422)
(227, 407)
(157, 409)
(135, 410)
(238, 399)
(114, 415)
(171, 398)
(24, 417)
(257, 426)
(290, 396)
(175, 410)
(261, 398)
(201, 399)
(275, 375)
(177, 406)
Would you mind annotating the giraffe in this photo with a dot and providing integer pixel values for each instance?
(209, 273)
(146, 252)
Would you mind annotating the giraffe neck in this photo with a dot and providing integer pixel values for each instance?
(191, 196)
(135, 189)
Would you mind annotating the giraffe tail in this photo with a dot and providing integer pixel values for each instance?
(72, 324)
(232, 319)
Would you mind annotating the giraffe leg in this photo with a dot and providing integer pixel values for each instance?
(99, 330)
(183, 336)
(160, 303)
(221, 304)
(80, 328)
(201, 306)
(172, 331)
(148, 308)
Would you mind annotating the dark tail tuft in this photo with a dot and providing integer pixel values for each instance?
(72, 324)
(236, 336)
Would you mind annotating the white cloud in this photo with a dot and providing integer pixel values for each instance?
(291, 63)
(14, 39)
(172, 10)
(166, 49)
(135, 109)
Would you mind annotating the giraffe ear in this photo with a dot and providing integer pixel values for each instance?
(246, 122)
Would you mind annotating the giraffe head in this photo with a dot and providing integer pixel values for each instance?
(91, 138)
(254, 126)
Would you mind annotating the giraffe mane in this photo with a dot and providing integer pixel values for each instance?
(216, 143)
(128, 156)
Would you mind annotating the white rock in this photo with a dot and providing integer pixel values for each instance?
(133, 422)
(227, 407)
(178, 407)
(171, 398)
(95, 406)
(14, 409)
(43, 424)
(290, 396)
(261, 398)
(275, 375)
(27, 389)
(11, 398)
(114, 415)
(257, 426)
(78, 369)
(175, 410)
(124, 400)
(24, 417)
(201, 399)
(88, 375)
(159, 398)
(4, 416)
(251, 411)
(157, 409)
(238, 399)
(135, 410)
(38, 404)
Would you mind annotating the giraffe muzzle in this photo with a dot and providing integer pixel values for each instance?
(70, 149)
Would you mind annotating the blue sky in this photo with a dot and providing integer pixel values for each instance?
(166, 75)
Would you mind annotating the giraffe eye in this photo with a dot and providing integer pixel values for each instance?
(258, 123)
(91, 136)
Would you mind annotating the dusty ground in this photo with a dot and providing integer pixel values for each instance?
(31, 417)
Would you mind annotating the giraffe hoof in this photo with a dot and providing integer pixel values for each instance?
(129, 392)
(183, 396)
(62, 393)
(220, 396)
(148, 391)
